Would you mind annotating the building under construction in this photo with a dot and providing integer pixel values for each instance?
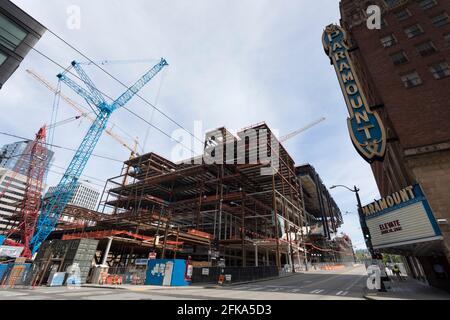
(229, 211)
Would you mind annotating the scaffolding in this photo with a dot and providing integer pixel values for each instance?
(221, 213)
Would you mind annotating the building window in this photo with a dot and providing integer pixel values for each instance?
(426, 49)
(399, 58)
(3, 58)
(427, 4)
(440, 70)
(440, 20)
(414, 31)
(402, 15)
(388, 41)
(411, 80)
(11, 35)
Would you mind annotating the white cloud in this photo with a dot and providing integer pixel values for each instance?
(232, 63)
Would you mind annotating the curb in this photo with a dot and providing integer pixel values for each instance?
(212, 286)
(103, 287)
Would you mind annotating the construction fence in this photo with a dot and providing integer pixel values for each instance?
(233, 274)
(17, 274)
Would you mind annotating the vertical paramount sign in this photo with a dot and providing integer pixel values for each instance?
(365, 126)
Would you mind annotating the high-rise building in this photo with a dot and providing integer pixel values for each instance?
(19, 33)
(84, 196)
(15, 184)
(404, 72)
(10, 154)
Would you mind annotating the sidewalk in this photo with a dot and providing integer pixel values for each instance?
(410, 289)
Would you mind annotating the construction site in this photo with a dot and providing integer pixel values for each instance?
(225, 214)
(242, 207)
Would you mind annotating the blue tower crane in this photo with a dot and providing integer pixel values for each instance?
(55, 206)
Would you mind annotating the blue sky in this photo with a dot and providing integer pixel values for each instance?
(232, 63)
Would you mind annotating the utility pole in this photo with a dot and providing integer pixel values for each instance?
(362, 220)
(364, 228)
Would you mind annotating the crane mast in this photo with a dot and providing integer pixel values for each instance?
(23, 222)
(55, 206)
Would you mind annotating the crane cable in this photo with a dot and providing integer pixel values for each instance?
(54, 116)
(123, 84)
(106, 95)
(60, 147)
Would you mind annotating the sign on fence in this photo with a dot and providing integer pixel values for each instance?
(12, 252)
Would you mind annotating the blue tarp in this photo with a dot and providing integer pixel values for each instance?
(2, 239)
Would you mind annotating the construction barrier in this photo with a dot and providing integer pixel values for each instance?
(232, 274)
(15, 274)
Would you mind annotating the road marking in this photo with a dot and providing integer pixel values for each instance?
(354, 283)
(342, 293)
(317, 291)
(339, 293)
(295, 290)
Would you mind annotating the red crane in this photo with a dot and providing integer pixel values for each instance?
(28, 209)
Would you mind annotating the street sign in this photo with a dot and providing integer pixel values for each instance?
(141, 262)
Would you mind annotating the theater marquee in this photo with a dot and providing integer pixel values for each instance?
(366, 129)
(402, 218)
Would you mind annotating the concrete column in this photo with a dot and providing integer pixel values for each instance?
(256, 255)
(106, 253)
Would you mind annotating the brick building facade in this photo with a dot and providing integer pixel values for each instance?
(405, 74)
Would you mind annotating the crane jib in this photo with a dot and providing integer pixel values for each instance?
(62, 194)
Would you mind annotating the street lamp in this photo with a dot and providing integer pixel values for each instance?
(362, 219)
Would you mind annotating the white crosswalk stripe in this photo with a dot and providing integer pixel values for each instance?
(317, 291)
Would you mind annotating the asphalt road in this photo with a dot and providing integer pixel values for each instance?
(329, 285)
